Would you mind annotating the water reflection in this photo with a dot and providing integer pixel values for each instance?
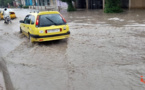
(99, 17)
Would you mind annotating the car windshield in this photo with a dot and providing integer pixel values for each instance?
(50, 19)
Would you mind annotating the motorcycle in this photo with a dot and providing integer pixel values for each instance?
(7, 20)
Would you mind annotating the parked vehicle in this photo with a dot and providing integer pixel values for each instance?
(44, 26)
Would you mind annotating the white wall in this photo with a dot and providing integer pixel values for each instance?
(62, 4)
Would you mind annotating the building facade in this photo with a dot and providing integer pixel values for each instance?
(137, 4)
(42, 2)
(88, 4)
(100, 4)
(19, 2)
(38, 2)
(35, 2)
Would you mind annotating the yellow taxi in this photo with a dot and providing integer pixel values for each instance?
(44, 26)
(12, 15)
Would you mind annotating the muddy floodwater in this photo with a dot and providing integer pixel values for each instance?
(104, 52)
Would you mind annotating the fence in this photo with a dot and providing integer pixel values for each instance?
(42, 7)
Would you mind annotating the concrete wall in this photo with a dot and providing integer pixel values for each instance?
(23, 2)
(20, 2)
(61, 4)
(137, 4)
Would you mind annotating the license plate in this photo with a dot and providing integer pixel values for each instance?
(54, 30)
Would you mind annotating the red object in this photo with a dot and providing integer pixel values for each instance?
(12, 13)
(45, 31)
(37, 21)
(63, 18)
(60, 29)
(41, 40)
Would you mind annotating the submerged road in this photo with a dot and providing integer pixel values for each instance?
(104, 52)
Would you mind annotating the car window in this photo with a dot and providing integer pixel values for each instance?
(27, 19)
(12, 13)
(32, 18)
(50, 19)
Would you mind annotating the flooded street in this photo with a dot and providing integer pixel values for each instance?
(104, 52)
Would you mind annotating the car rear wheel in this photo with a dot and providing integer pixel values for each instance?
(31, 39)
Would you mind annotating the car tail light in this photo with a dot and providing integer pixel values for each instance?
(60, 29)
(63, 18)
(45, 31)
(37, 21)
(12, 13)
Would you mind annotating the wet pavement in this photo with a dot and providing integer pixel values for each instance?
(104, 52)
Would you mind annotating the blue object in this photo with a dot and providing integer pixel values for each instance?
(28, 2)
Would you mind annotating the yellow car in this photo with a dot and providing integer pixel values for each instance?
(44, 26)
(12, 15)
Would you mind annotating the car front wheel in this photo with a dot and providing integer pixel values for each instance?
(20, 30)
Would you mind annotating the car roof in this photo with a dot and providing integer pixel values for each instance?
(35, 13)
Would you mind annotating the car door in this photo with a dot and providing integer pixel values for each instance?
(32, 26)
(22, 25)
(26, 25)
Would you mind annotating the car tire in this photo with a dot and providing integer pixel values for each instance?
(31, 39)
(20, 30)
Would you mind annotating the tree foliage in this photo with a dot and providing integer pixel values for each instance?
(112, 6)
(70, 5)
(5, 2)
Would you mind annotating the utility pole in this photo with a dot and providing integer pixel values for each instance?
(129, 4)
(87, 4)
(103, 4)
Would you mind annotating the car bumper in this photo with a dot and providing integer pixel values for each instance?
(12, 17)
(38, 38)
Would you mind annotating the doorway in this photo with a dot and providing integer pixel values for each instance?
(125, 4)
(95, 4)
(81, 4)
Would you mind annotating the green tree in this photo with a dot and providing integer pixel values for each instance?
(1, 2)
(8, 1)
(112, 6)
(5, 2)
(70, 5)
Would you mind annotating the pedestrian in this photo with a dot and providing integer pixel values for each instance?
(8, 5)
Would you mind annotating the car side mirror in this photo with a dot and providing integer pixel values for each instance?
(21, 21)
